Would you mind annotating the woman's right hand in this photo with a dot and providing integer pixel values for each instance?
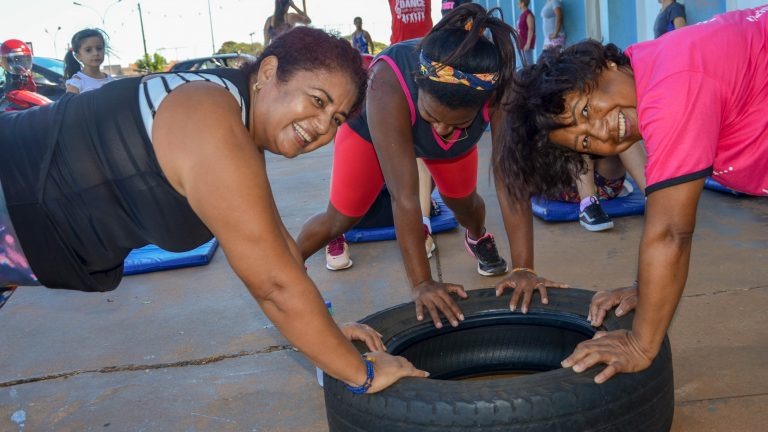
(625, 298)
(436, 296)
(388, 369)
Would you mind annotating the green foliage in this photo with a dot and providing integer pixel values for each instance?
(240, 47)
(378, 47)
(155, 64)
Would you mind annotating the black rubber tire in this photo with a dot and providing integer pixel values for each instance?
(493, 340)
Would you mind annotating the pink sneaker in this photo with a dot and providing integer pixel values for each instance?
(337, 254)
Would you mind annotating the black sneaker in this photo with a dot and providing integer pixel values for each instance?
(489, 263)
(593, 218)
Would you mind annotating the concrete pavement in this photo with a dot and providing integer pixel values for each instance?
(189, 350)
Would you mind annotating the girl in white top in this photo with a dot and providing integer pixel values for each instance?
(83, 62)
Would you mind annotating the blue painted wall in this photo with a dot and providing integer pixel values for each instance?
(622, 22)
(574, 20)
(702, 10)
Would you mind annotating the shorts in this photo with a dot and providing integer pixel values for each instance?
(356, 177)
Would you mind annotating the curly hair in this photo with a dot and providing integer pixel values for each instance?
(527, 161)
(312, 50)
(450, 43)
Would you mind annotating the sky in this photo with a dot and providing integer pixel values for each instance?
(176, 29)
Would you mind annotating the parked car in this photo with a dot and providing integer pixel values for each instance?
(48, 74)
(230, 60)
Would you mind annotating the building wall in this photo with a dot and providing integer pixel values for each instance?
(622, 22)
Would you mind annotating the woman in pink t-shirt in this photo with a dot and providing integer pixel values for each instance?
(698, 97)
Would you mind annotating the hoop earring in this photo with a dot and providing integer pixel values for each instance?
(257, 87)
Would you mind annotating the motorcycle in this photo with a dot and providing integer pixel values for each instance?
(20, 90)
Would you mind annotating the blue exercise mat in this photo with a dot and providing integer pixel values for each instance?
(442, 222)
(5, 294)
(152, 258)
(713, 185)
(561, 211)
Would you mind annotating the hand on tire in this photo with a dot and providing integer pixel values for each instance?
(364, 333)
(524, 283)
(388, 369)
(619, 350)
(625, 298)
(436, 298)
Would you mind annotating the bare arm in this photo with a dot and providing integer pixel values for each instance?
(558, 20)
(518, 224)
(293, 18)
(634, 159)
(665, 252)
(71, 88)
(517, 215)
(679, 22)
(190, 143)
(390, 125)
(531, 28)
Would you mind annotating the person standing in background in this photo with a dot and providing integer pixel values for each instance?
(526, 31)
(411, 19)
(281, 21)
(670, 17)
(83, 61)
(361, 39)
(552, 16)
(449, 5)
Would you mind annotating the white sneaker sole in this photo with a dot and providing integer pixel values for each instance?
(598, 227)
(485, 273)
(430, 249)
(331, 268)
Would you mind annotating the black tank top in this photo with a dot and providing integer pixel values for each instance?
(84, 188)
(403, 58)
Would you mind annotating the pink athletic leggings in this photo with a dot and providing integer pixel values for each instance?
(356, 177)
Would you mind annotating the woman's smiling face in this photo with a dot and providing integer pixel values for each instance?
(602, 121)
(303, 113)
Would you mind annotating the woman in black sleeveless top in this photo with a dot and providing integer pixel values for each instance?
(88, 178)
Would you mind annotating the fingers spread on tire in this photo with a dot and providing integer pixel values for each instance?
(458, 290)
(503, 285)
(542, 287)
(419, 310)
(626, 305)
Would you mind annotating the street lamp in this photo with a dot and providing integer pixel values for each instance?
(251, 34)
(103, 17)
(55, 35)
(210, 22)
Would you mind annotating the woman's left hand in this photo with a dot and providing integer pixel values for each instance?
(364, 333)
(524, 282)
(620, 350)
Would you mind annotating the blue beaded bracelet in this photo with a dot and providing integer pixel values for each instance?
(368, 377)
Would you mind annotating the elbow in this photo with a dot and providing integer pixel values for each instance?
(676, 237)
(682, 238)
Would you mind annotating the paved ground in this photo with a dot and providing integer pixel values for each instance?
(189, 350)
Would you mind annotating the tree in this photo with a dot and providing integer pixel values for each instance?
(240, 47)
(156, 64)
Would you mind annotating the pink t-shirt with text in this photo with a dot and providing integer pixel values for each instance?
(702, 102)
